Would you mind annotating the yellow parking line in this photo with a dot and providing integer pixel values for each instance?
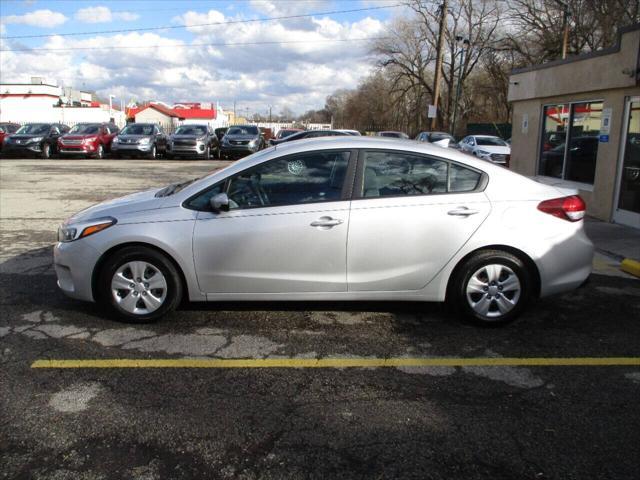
(341, 362)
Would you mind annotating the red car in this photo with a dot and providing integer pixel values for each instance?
(7, 129)
(88, 140)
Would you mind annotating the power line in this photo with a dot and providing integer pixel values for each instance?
(173, 27)
(183, 45)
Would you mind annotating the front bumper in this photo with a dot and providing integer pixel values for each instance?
(77, 149)
(131, 149)
(14, 150)
(237, 150)
(74, 263)
(198, 149)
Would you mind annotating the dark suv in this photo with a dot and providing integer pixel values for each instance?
(34, 139)
(193, 141)
(139, 140)
(241, 140)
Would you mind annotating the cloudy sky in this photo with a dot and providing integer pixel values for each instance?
(216, 50)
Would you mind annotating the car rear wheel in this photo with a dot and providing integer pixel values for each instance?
(139, 285)
(491, 288)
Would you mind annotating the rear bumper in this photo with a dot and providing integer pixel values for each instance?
(566, 263)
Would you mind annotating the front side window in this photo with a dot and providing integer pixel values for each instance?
(569, 143)
(303, 178)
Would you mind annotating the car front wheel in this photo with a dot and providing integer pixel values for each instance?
(46, 151)
(153, 153)
(139, 285)
(491, 288)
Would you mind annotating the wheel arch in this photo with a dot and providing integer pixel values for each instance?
(526, 259)
(103, 258)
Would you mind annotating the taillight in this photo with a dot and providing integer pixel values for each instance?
(570, 208)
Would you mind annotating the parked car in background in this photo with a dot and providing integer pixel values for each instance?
(139, 140)
(281, 225)
(198, 141)
(220, 132)
(34, 140)
(241, 140)
(310, 134)
(581, 166)
(355, 133)
(487, 147)
(392, 134)
(267, 134)
(285, 132)
(433, 137)
(7, 129)
(88, 140)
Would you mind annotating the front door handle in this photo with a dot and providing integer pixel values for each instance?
(462, 212)
(326, 222)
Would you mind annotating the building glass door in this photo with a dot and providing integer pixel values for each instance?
(628, 197)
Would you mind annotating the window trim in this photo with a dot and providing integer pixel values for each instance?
(359, 180)
(346, 191)
(570, 104)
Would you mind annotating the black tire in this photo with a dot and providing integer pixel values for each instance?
(100, 152)
(46, 151)
(207, 153)
(153, 154)
(461, 302)
(173, 280)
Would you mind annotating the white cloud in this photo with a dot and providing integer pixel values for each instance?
(294, 75)
(37, 18)
(101, 14)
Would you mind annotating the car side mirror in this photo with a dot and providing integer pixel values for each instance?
(219, 203)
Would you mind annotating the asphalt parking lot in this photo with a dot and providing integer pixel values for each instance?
(374, 411)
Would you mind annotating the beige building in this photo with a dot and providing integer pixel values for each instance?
(576, 123)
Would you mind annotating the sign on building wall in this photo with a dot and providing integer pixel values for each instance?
(432, 111)
(525, 123)
(605, 125)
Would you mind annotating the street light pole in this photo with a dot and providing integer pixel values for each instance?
(465, 44)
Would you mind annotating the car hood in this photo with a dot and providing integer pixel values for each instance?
(116, 207)
(78, 136)
(494, 149)
(25, 136)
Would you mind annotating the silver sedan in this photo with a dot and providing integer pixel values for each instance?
(341, 218)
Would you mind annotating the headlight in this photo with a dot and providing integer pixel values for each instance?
(34, 140)
(69, 233)
(144, 141)
(115, 140)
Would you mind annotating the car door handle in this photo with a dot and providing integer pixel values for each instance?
(462, 212)
(327, 222)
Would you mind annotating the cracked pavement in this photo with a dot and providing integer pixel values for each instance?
(406, 422)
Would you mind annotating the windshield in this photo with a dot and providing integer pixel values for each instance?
(491, 141)
(243, 131)
(137, 130)
(393, 134)
(191, 130)
(85, 129)
(34, 129)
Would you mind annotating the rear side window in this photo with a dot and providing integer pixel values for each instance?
(394, 174)
(463, 179)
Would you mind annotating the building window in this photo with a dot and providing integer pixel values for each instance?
(581, 123)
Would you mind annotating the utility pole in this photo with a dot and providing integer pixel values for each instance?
(565, 27)
(439, 55)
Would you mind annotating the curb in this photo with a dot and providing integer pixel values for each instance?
(630, 266)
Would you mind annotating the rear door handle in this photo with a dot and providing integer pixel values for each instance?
(462, 212)
(326, 222)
